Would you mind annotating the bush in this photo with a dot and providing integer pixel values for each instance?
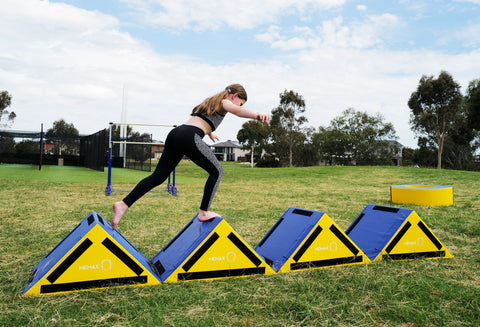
(268, 161)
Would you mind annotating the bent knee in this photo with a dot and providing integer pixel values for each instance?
(217, 172)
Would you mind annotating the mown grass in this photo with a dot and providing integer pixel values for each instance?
(38, 208)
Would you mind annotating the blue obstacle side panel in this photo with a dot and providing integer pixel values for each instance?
(182, 245)
(285, 236)
(375, 226)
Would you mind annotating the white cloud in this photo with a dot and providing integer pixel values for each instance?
(59, 61)
(469, 35)
(372, 31)
(361, 7)
(333, 33)
(303, 37)
(271, 35)
(472, 1)
(212, 14)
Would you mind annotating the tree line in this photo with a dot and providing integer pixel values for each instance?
(446, 123)
(354, 137)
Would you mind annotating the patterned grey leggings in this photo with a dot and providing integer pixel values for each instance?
(182, 140)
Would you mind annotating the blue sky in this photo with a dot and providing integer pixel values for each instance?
(74, 59)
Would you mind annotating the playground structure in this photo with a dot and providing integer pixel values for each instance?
(44, 149)
(171, 187)
(93, 255)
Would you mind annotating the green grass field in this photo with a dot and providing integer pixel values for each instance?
(39, 208)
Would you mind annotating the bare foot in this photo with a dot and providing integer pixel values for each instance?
(119, 209)
(206, 215)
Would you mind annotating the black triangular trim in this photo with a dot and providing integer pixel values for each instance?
(307, 243)
(65, 287)
(120, 254)
(414, 255)
(429, 234)
(69, 260)
(352, 247)
(398, 237)
(200, 252)
(325, 263)
(244, 249)
(220, 273)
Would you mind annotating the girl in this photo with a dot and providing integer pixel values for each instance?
(187, 140)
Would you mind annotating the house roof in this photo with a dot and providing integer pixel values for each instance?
(227, 144)
(395, 143)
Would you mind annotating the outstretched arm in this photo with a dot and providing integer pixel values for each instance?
(230, 107)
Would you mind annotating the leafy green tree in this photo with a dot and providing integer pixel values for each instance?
(5, 101)
(333, 145)
(408, 156)
(138, 152)
(362, 138)
(463, 139)
(27, 146)
(286, 125)
(116, 132)
(425, 155)
(253, 134)
(307, 152)
(65, 138)
(459, 148)
(435, 106)
(7, 144)
(472, 102)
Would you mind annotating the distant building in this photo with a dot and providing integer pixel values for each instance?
(224, 151)
(157, 149)
(396, 149)
(228, 151)
(48, 148)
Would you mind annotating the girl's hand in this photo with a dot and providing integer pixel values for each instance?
(264, 118)
(213, 137)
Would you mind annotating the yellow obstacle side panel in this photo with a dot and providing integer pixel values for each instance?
(325, 246)
(91, 264)
(414, 240)
(223, 254)
(96, 262)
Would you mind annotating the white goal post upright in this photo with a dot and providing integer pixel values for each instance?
(171, 188)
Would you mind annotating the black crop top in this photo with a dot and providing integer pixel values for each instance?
(212, 120)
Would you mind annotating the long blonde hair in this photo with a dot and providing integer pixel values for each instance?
(213, 104)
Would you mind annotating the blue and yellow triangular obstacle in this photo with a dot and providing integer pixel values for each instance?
(304, 239)
(208, 250)
(395, 233)
(91, 256)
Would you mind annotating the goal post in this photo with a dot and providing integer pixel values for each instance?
(171, 187)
